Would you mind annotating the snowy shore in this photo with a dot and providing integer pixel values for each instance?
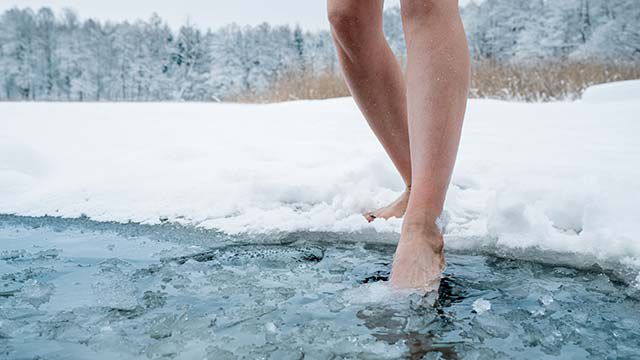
(559, 177)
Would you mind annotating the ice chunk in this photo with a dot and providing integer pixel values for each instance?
(162, 326)
(36, 292)
(116, 293)
(481, 306)
(266, 254)
(546, 299)
(271, 327)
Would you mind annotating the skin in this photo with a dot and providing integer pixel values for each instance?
(418, 120)
(376, 82)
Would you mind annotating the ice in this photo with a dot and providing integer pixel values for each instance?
(377, 292)
(36, 292)
(116, 293)
(481, 306)
(23, 255)
(337, 305)
(285, 354)
(271, 327)
(215, 308)
(263, 254)
(162, 327)
(546, 300)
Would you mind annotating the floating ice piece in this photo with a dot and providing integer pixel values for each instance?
(546, 299)
(116, 293)
(377, 292)
(481, 306)
(239, 255)
(36, 292)
(271, 327)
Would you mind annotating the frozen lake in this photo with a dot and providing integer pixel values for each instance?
(78, 289)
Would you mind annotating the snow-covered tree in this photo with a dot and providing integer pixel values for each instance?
(49, 57)
(191, 63)
(19, 57)
(617, 38)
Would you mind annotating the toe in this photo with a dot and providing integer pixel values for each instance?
(369, 216)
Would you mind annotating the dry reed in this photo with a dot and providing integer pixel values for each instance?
(547, 81)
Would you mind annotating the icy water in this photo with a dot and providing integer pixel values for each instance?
(74, 289)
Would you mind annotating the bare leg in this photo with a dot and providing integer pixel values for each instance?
(437, 87)
(375, 80)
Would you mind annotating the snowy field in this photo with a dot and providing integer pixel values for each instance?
(554, 179)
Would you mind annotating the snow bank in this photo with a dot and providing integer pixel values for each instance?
(559, 177)
(617, 91)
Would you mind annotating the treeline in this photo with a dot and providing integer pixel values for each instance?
(47, 57)
(575, 30)
(43, 57)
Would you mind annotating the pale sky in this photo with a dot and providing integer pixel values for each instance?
(310, 14)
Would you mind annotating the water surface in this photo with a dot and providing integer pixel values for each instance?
(75, 289)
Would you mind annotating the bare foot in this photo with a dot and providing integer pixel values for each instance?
(395, 209)
(419, 258)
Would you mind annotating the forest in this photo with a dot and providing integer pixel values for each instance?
(58, 56)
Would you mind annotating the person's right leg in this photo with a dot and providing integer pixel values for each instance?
(438, 74)
(376, 82)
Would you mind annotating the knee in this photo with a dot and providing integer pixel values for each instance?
(413, 11)
(347, 20)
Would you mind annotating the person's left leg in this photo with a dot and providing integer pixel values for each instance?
(376, 82)
(438, 71)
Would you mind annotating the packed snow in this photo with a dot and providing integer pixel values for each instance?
(555, 178)
(613, 92)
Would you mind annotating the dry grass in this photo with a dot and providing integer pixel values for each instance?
(545, 81)
(541, 82)
(300, 86)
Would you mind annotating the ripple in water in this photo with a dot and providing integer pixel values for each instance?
(74, 292)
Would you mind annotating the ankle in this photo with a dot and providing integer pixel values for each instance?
(427, 228)
(421, 220)
(427, 232)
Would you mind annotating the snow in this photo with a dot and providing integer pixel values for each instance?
(613, 92)
(554, 177)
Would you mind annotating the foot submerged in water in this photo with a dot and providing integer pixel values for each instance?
(419, 259)
(395, 209)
